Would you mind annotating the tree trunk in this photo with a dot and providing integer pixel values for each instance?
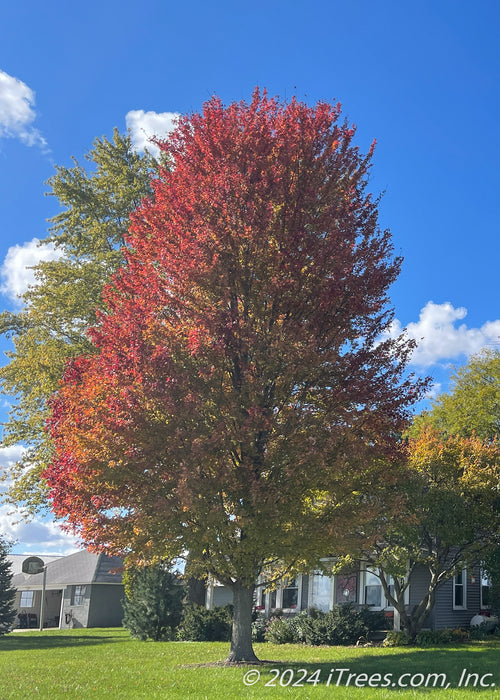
(412, 623)
(241, 641)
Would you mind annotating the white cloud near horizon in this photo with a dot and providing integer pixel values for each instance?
(144, 125)
(17, 112)
(16, 273)
(439, 337)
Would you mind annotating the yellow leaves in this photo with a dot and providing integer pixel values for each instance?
(456, 463)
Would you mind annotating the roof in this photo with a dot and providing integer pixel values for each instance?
(80, 568)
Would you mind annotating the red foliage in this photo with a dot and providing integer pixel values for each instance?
(239, 395)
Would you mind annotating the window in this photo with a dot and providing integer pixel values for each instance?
(258, 594)
(374, 593)
(78, 595)
(459, 591)
(485, 590)
(290, 595)
(27, 598)
(320, 592)
(286, 597)
(373, 590)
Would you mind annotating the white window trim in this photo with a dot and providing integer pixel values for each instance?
(279, 598)
(483, 606)
(310, 602)
(385, 603)
(298, 578)
(80, 596)
(23, 605)
(260, 598)
(464, 590)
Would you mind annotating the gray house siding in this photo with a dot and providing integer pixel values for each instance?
(419, 584)
(105, 606)
(74, 616)
(445, 615)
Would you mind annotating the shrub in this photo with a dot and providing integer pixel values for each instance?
(460, 635)
(375, 620)
(298, 624)
(482, 631)
(279, 631)
(341, 626)
(201, 625)
(153, 604)
(431, 638)
(395, 638)
(259, 625)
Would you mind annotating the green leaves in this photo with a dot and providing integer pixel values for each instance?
(473, 403)
(89, 234)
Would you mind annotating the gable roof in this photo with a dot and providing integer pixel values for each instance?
(80, 568)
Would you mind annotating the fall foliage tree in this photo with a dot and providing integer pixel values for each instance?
(241, 406)
(449, 518)
(89, 234)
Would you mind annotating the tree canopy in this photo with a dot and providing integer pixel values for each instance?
(472, 405)
(241, 405)
(449, 518)
(88, 233)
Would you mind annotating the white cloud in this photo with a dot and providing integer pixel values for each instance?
(439, 337)
(8, 457)
(17, 112)
(16, 273)
(143, 125)
(40, 534)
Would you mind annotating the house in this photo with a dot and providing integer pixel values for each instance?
(457, 600)
(81, 590)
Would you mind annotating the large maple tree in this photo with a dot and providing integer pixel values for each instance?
(241, 406)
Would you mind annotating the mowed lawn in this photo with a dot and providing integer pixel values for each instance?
(106, 663)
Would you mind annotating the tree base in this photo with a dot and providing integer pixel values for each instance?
(236, 659)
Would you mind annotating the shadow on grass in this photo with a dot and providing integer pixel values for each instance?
(454, 667)
(23, 641)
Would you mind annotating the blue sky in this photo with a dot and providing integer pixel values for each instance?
(420, 78)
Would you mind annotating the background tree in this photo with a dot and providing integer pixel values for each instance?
(239, 406)
(472, 404)
(7, 591)
(153, 603)
(89, 233)
(449, 518)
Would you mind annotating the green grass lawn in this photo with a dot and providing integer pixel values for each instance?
(106, 663)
